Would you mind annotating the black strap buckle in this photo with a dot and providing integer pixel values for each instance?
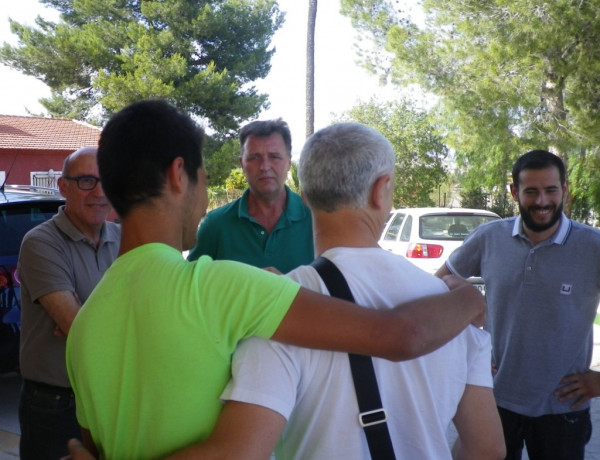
(372, 417)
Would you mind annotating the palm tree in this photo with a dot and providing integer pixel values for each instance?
(310, 67)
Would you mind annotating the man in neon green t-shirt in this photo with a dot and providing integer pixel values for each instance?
(149, 353)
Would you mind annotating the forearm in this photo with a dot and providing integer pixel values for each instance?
(407, 331)
(438, 319)
(478, 425)
(243, 432)
(461, 452)
(62, 306)
(442, 271)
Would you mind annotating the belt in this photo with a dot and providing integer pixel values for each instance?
(46, 388)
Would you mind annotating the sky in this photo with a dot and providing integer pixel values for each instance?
(339, 82)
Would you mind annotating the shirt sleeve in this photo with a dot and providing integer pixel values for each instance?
(465, 261)
(480, 359)
(206, 240)
(243, 301)
(45, 265)
(264, 373)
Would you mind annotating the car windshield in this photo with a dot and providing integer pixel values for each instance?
(16, 220)
(450, 226)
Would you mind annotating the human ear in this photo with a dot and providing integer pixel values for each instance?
(176, 175)
(379, 190)
(514, 191)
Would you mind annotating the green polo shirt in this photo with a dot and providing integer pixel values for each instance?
(230, 233)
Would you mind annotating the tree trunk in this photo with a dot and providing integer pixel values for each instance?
(310, 67)
(556, 119)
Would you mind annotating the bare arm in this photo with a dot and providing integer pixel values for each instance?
(479, 427)
(243, 432)
(256, 430)
(62, 306)
(405, 332)
(442, 271)
(579, 388)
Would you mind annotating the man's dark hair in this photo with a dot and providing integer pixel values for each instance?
(137, 146)
(538, 159)
(264, 128)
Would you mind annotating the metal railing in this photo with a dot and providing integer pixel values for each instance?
(46, 179)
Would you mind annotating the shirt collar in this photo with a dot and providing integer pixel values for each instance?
(65, 225)
(291, 212)
(559, 237)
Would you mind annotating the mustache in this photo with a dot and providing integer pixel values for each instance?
(548, 207)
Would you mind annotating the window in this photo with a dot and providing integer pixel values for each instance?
(394, 228)
(15, 221)
(405, 236)
(450, 226)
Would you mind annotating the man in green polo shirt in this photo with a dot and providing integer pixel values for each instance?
(269, 226)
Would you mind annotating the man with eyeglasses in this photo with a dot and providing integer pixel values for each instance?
(60, 263)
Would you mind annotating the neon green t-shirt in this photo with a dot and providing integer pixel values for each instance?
(149, 353)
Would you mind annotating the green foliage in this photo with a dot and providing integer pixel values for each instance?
(503, 204)
(473, 198)
(200, 55)
(236, 180)
(293, 182)
(509, 75)
(584, 186)
(219, 196)
(420, 152)
(220, 157)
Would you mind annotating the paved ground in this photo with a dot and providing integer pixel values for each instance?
(9, 424)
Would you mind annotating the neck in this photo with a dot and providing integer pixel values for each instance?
(538, 237)
(93, 232)
(266, 203)
(144, 225)
(266, 210)
(350, 228)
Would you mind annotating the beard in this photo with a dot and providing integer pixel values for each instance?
(531, 224)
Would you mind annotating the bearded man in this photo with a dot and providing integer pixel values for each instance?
(542, 276)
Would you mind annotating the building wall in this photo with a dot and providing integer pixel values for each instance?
(21, 162)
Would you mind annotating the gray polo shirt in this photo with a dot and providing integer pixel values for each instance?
(56, 256)
(541, 305)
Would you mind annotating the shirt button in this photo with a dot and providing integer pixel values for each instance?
(262, 232)
(529, 268)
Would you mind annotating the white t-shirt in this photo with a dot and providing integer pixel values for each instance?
(314, 391)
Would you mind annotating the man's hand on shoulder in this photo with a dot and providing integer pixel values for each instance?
(454, 281)
(470, 293)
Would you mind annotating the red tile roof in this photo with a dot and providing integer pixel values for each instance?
(35, 133)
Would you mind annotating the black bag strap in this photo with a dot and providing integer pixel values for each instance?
(372, 416)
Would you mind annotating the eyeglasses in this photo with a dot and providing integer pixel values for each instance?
(84, 182)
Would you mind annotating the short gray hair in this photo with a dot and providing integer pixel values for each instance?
(339, 165)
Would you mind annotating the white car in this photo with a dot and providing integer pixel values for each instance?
(427, 236)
